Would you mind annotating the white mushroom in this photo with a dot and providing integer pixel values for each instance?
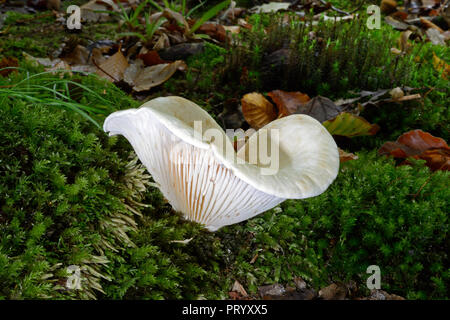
(194, 163)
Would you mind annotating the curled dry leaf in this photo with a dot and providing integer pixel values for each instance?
(288, 102)
(399, 25)
(344, 156)
(96, 10)
(349, 125)
(172, 16)
(419, 145)
(421, 140)
(403, 41)
(237, 287)
(142, 79)
(257, 110)
(320, 108)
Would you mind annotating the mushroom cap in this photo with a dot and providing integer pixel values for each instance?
(196, 171)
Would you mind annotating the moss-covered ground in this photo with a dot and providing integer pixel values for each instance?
(69, 195)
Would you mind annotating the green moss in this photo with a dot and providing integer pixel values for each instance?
(372, 214)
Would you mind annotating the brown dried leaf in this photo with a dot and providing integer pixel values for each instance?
(320, 108)
(421, 141)
(288, 102)
(172, 16)
(145, 78)
(388, 6)
(237, 287)
(344, 156)
(399, 25)
(114, 67)
(214, 30)
(8, 62)
(419, 145)
(333, 292)
(79, 55)
(151, 58)
(428, 24)
(403, 41)
(257, 110)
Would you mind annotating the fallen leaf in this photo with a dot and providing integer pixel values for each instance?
(257, 110)
(8, 62)
(428, 24)
(388, 6)
(441, 66)
(403, 41)
(270, 7)
(421, 141)
(344, 156)
(419, 145)
(399, 25)
(435, 37)
(271, 290)
(79, 55)
(320, 108)
(214, 30)
(288, 102)
(95, 10)
(333, 292)
(237, 287)
(436, 159)
(143, 78)
(175, 18)
(114, 67)
(349, 125)
(151, 58)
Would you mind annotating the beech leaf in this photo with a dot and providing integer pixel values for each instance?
(349, 125)
(288, 102)
(419, 145)
(257, 110)
(320, 108)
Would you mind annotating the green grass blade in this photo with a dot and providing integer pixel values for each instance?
(209, 14)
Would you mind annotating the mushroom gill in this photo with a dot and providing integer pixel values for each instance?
(195, 166)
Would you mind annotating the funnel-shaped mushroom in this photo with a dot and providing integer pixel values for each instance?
(194, 163)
